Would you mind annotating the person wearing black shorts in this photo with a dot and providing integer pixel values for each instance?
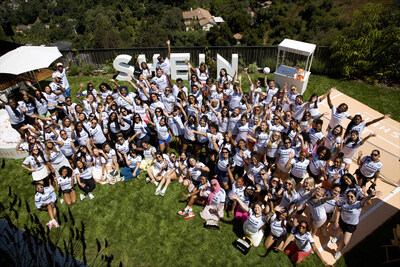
(349, 218)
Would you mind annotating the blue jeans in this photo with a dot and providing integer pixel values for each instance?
(127, 173)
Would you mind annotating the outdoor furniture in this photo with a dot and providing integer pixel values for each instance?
(293, 64)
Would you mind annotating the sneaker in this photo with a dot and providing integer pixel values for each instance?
(49, 224)
(190, 216)
(55, 224)
(162, 193)
(147, 179)
(82, 197)
(182, 212)
(156, 183)
(61, 200)
(324, 232)
(337, 255)
(157, 192)
(334, 240)
(90, 195)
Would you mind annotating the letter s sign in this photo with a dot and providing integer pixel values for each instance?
(121, 64)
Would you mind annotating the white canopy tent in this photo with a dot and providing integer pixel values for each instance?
(292, 52)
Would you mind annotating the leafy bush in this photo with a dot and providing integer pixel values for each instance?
(319, 67)
(108, 67)
(252, 68)
(74, 70)
(87, 69)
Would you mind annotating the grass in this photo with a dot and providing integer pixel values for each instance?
(144, 230)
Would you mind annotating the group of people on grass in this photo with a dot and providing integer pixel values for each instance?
(261, 156)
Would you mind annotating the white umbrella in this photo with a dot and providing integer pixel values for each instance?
(28, 58)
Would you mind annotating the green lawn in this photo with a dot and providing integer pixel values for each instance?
(143, 229)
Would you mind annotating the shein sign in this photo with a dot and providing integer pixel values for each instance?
(179, 69)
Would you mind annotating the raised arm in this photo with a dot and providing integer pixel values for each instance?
(377, 119)
(169, 48)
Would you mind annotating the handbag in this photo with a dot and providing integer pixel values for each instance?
(243, 244)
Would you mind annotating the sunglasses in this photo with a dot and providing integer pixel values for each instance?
(288, 143)
(213, 184)
(275, 119)
(288, 183)
(264, 173)
(274, 181)
(374, 155)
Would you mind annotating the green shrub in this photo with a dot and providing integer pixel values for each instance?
(319, 67)
(73, 70)
(87, 69)
(252, 68)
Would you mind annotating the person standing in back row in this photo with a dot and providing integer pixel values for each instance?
(62, 72)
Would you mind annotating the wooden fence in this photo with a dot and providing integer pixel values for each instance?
(258, 54)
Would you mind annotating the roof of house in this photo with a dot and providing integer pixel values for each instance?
(237, 36)
(201, 14)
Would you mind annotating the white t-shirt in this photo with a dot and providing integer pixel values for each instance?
(369, 167)
(67, 148)
(336, 117)
(63, 79)
(195, 172)
(304, 241)
(218, 197)
(284, 154)
(165, 66)
(219, 139)
(148, 153)
(85, 174)
(64, 183)
(122, 148)
(276, 226)
(97, 134)
(110, 155)
(316, 164)
(133, 162)
(331, 172)
(299, 168)
(238, 159)
(254, 223)
(30, 160)
(332, 141)
(14, 119)
(46, 198)
(351, 212)
(162, 82)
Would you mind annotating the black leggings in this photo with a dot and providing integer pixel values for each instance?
(89, 185)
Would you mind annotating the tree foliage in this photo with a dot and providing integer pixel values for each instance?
(370, 47)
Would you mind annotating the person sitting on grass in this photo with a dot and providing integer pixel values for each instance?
(302, 246)
(198, 196)
(214, 210)
(253, 226)
(65, 183)
(45, 199)
(278, 226)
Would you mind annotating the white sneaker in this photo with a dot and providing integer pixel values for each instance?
(337, 255)
(157, 192)
(334, 240)
(82, 197)
(90, 195)
(162, 193)
(61, 201)
(147, 179)
(156, 183)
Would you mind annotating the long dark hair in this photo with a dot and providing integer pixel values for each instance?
(117, 125)
(351, 124)
(15, 110)
(106, 85)
(349, 138)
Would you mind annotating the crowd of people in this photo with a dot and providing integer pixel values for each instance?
(259, 154)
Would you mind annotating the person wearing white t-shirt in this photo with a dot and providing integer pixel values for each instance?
(84, 178)
(369, 168)
(96, 134)
(278, 231)
(38, 164)
(214, 210)
(338, 114)
(358, 125)
(65, 183)
(45, 199)
(349, 218)
(350, 146)
(302, 245)
(164, 63)
(252, 227)
(63, 71)
(298, 166)
(318, 163)
(132, 169)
